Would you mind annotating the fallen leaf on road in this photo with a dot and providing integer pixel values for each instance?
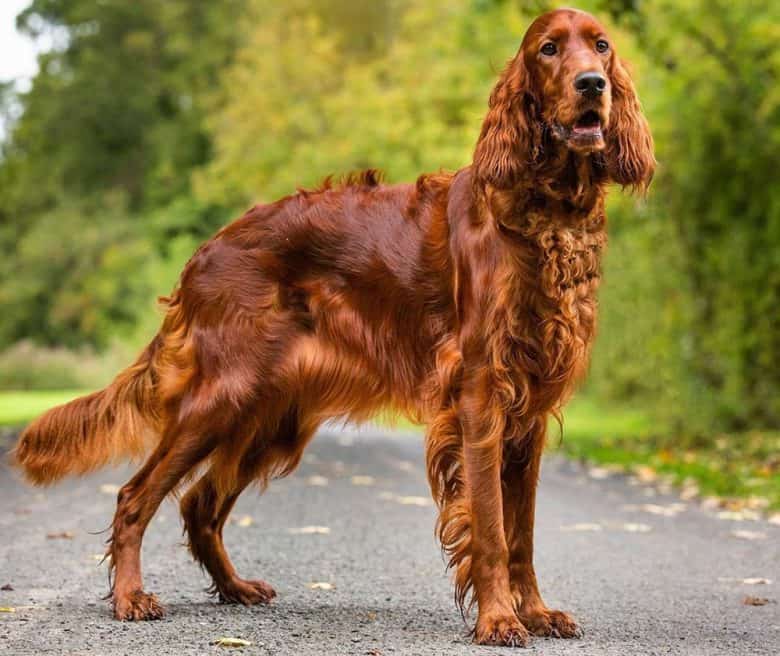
(645, 474)
(757, 503)
(711, 503)
(582, 527)
(309, 530)
(755, 601)
(7, 587)
(689, 491)
(317, 481)
(739, 515)
(405, 501)
(321, 585)
(774, 519)
(7, 609)
(671, 510)
(414, 501)
(231, 642)
(633, 527)
(749, 535)
(362, 480)
(109, 489)
(245, 521)
(750, 581)
(61, 535)
(599, 473)
(735, 504)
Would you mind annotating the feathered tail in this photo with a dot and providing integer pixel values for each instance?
(107, 426)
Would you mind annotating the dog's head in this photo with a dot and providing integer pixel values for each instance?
(565, 88)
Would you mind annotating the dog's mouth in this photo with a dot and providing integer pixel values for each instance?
(584, 134)
(587, 126)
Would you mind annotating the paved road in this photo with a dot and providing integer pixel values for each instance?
(640, 583)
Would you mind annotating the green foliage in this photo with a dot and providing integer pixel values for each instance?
(298, 105)
(690, 317)
(120, 104)
(26, 366)
(95, 176)
(86, 292)
(152, 123)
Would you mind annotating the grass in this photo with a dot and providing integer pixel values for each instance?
(19, 408)
(740, 465)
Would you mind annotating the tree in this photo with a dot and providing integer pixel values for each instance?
(709, 297)
(110, 131)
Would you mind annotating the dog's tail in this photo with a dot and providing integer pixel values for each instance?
(106, 426)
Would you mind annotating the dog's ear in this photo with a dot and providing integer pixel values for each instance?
(510, 137)
(629, 153)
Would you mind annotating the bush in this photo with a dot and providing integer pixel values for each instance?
(25, 366)
(690, 304)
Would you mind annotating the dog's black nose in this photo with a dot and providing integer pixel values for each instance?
(590, 84)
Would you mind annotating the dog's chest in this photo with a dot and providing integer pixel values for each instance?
(569, 272)
(564, 310)
(554, 320)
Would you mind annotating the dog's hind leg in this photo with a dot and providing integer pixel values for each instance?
(183, 446)
(205, 511)
(206, 506)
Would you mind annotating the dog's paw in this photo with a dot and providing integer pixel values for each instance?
(550, 623)
(137, 606)
(504, 630)
(249, 593)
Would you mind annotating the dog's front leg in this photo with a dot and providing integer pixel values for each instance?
(520, 478)
(497, 622)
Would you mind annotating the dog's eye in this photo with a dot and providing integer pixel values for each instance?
(602, 46)
(549, 49)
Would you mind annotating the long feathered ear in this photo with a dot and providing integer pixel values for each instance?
(510, 137)
(629, 153)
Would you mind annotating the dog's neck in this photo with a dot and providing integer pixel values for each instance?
(565, 181)
(564, 189)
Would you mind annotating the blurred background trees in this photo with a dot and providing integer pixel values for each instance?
(151, 124)
(697, 326)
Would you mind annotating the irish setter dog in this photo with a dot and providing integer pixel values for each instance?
(465, 300)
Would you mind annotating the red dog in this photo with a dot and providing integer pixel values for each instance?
(465, 300)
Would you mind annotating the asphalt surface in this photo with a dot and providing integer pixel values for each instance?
(638, 582)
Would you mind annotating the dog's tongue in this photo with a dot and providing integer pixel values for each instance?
(589, 123)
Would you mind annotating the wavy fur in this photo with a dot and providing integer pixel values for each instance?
(89, 432)
(465, 300)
